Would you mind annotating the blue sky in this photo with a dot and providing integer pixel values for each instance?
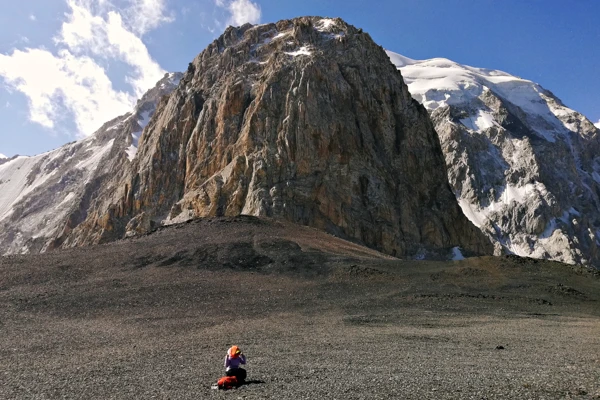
(67, 66)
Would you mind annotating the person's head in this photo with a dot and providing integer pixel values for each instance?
(234, 352)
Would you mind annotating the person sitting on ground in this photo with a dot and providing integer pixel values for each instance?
(233, 360)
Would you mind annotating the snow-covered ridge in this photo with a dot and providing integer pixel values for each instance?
(440, 82)
(2, 156)
(524, 167)
(37, 193)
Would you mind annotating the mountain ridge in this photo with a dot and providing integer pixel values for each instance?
(470, 110)
(278, 120)
(522, 165)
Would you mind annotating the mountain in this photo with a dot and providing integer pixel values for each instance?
(2, 156)
(524, 167)
(44, 196)
(304, 120)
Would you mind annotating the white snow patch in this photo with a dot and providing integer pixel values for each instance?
(67, 198)
(2, 156)
(473, 213)
(144, 118)
(510, 193)
(132, 149)
(115, 126)
(399, 60)
(457, 254)
(131, 152)
(517, 193)
(281, 34)
(97, 152)
(325, 25)
(482, 121)
(302, 51)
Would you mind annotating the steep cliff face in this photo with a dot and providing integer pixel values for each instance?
(43, 197)
(524, 167)
(306, 120)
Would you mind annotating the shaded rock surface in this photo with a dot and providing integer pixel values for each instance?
(305, 120)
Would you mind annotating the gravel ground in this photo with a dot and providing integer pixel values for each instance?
(317, 317)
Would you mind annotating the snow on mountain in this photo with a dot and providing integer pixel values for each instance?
(2, 156)
(524, 167)
(37, 193)
(44, 196)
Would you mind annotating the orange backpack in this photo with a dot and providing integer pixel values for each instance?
(227, 382)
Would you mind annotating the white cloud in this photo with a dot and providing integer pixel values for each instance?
(70, 82)
(145, 15)
(32, 17)
(241, 11)
(597, 124)
(2, 156)
(86, 33)
(7, 104)
(78, 84)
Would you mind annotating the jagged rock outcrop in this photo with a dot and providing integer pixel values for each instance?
(42, 198)
(306, 120)
(524, 167)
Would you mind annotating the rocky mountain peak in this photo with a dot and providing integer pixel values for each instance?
(305, 120)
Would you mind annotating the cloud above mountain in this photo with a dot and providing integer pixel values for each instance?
(597, 124)
(70, 82)
(241, 11)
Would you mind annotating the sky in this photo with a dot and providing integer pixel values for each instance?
(68, 66)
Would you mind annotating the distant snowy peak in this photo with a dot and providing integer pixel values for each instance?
(440, 82)
(525, 168)
(2, 156)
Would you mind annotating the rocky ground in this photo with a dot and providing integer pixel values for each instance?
(318, 317)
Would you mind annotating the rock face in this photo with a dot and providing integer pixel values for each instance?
(305, 120)
(524, 167)
(42, 198)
